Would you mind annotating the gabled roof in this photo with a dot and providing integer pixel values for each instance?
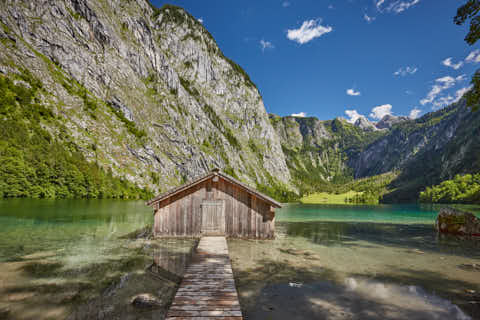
(208, 176)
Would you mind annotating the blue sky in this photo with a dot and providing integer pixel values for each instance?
(305, 55)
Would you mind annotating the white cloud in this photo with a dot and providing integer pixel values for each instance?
(379, 3)
(441, 84)
(414, 113)
(381, 111)
(200, 20)
(309, 30)
(352, 92)
(331, 7)
(400, 6)
(368, 18)
(473, 57)
(353, 115)
(448, 63)
(396, 6)
(266, 45)
(460, 92)
(286, 4)
(299, 115)
(405, 71)
(445, 101)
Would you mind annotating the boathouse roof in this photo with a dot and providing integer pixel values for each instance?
(210, 175)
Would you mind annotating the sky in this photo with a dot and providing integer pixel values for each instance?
(344, 58)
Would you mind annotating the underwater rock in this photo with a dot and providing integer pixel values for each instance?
(4, 313)
(457, 222)
(145, 301)
(470, 267)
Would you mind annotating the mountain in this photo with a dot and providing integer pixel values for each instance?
(318, 152)
(389, 120)
(143, 93)
(364, 124)
(424, 151)
(428, 150)
(122, 99)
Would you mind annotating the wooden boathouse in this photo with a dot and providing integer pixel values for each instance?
(215, 204)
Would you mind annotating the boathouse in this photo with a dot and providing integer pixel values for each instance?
(214, 204)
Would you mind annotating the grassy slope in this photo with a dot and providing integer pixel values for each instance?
(329, 198)
(361, 191)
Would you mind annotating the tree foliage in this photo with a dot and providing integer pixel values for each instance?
(470, 11)
(37, 163)
(461, 189)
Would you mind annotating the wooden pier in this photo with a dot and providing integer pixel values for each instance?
(207, 290)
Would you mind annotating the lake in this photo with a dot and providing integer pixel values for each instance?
(79, 259)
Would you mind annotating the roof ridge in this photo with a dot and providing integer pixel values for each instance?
(199, 179)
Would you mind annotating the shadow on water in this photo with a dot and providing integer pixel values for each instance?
(50, 288)
(159, 279)
(464, 294)
(273, 292)
(362, 234)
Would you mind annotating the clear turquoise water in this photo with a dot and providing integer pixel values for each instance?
(72, 259)
(358, 262)
(388, 259)
(29, 226)
(398, 214)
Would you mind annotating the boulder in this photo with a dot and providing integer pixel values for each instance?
(457, 222)
(146, 301)
(4, 312)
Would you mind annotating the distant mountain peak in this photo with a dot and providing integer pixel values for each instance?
(389, 120)
(364, 124)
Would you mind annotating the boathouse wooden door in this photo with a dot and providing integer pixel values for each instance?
(213, 217)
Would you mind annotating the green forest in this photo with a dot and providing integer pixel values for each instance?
(461, 189)
(369, 190)
(35, 163)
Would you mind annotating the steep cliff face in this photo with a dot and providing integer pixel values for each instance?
(409, 142)
(319, 151)
(146, 94)
(142, 91)
(425, 151)
(435, 148)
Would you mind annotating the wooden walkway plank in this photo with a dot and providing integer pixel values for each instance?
(207, 291)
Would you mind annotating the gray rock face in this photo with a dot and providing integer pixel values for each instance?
(452, 221)
(294, 131)
(162, 70)
(388, 121)
(148, 94)
(364, 124)
(317, 150)
(423, 151)
(427, 143)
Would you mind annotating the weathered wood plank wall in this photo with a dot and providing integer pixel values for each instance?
(246, 216)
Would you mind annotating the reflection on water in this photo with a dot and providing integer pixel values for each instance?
(163, 265)
(326, 265)
(355, 299)
(71, 259)
(419, 236)
(170, 259)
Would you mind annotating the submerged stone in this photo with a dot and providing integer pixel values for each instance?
(146, 301)
(457, 222)
(4, 313)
